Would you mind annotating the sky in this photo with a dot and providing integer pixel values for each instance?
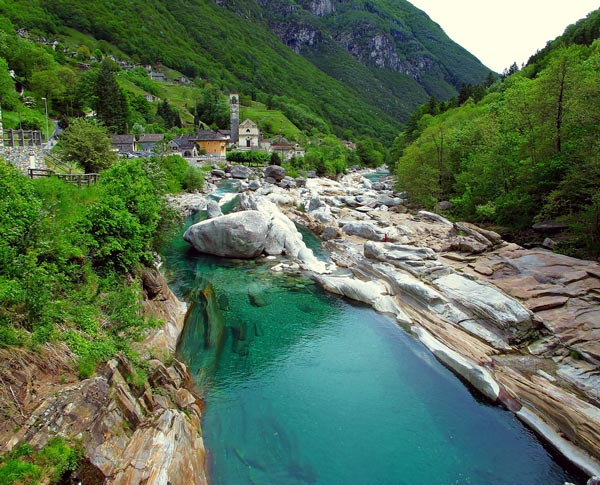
(500, 32)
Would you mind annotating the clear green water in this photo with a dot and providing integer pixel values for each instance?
(304, 387)
(375, 176)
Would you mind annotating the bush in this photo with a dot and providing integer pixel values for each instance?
(249, 158)
(24, 465)
(19, 214)
(87, 144)
(193, 179)
(69, 258)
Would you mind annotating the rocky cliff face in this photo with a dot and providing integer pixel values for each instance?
(297, 36)
(400, 38)
(149, 432)
(390, 53)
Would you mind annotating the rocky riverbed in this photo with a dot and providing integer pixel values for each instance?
(522, 326)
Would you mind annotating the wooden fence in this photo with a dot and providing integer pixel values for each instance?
(78, 179)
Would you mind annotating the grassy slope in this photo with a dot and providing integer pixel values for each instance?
(234, 49)
(259, 113)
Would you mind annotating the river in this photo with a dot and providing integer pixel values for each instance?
(305, 387)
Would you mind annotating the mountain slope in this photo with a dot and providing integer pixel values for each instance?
(364, 65)
(382, 35)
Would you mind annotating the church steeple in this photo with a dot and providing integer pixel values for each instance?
(234, 116)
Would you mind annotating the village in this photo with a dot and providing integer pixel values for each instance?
(204, 147)
(207, 146)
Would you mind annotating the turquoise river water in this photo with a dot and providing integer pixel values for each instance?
(306, 387)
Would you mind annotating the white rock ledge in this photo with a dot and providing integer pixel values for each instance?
(475, 374)
(574, 454)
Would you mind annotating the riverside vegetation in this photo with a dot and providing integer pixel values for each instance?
(523, 150)
(70, 273)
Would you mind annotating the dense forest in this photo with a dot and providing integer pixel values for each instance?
(522, 150)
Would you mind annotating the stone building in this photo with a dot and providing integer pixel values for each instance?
(248, 136)
(211, 143)
(234, 116)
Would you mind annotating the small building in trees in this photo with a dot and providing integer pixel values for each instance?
(123, 143)
(285, 149)
(157, 76)
(184, 146)
(150, 97)
(146, 142)
(248, 136)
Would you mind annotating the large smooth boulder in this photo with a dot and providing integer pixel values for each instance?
(254, 185)
(373, 293)
(487, 303)
(314, 204)
(435, 217)
(287, 183)
(384, 199)
(330, 233)
(275, 172)
(366, 230)
(241, 172)
(319, 210)
(238, 235)
(475, 374)
(389, 252)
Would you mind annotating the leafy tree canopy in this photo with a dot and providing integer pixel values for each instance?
(87, 143)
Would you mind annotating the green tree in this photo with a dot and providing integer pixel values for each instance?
(47, 84)
(123, 223)
(212, 108)
(110, 101)
(169, 114)
(84, 53)
(368, 154)
(87, 144)
(8, 96)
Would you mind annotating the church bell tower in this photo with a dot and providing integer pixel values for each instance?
(234, 117)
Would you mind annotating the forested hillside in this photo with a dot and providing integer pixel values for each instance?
(335, 86)
(523, 150)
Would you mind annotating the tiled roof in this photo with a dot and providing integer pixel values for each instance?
(209, 135)
(122, 139)
(280, 141)
(150, 137)
(185, 142)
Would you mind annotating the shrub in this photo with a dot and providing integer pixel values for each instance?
(87, 143)
(193, 179)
